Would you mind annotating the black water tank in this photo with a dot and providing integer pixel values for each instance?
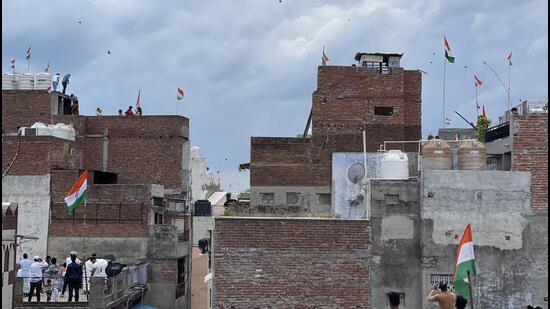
(203, 208)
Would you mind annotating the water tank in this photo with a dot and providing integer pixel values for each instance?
(9, 81)
(472, 155)
(42, 129)
(203, 208)
(26, 81)
(394, 165)
(436, 155)
(63, 131)
(43, 81)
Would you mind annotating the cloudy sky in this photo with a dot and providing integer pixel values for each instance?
(249, 66)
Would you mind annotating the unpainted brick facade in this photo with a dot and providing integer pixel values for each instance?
(530, 153)
(345, 98)
(290, 263)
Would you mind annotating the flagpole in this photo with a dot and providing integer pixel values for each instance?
(470, 283)
(444, 81)
(509, 84)
(477, 103)
(177, 107)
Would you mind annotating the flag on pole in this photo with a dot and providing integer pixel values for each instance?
(448, 55)
(138, 104)
(324, 58)
(483, 113)
(180, 94)
(29, 53)
(47, 69)
(12, 63)
(509, 58)
(465, 263)
(479, 82)
(77, 195)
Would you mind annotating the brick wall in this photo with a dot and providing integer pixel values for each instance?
(344, 99)
(110, 211)
(38, 154)
(22, 108)
(290, 263)
(145, 149)
(530, 153)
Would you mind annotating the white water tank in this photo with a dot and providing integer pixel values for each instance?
(26, 81)
(9, 81)
(394, 165)
(41, 129)
(63, 131)
(43, 81)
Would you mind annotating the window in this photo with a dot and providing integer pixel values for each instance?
(292, 198)
(437, 278)
(267, 198)
(383, 111)
(323, 198)
(401, 299)
(159, 218)
(391, 199)
(182, 277)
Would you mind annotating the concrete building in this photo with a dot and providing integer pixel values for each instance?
(137, 206)
(203, 181)
(9, 248)
(295, 173)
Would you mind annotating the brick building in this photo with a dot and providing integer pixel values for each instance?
(138, 187)
(290, 263)
(378, 95)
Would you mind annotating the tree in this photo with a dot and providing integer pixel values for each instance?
(482, 125)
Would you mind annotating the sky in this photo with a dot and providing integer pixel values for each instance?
(249, 67)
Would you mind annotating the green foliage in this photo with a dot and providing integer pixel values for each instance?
(229, 213)
(482, 125)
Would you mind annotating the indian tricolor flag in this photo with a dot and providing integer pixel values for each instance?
(448, 55)
(465, 264)
(77, 195)
(180, 94)
(324, 58)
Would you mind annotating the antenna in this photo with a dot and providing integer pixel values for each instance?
(468, 122)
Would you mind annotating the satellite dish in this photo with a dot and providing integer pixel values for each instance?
(113, 269)
(356, 173)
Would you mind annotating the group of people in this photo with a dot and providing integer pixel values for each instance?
(130, 112)
(51, 278)
(64, 81)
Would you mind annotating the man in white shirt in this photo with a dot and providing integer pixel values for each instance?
(55, 81)
(89, 271)
(24, 273)
(35, 271)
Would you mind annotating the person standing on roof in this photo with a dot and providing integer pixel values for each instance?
(65, 82)
(129, 111)
(55, 81)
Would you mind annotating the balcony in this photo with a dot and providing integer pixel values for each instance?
(110, 292)
(497, 132)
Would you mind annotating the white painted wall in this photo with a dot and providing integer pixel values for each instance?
(32, 194)
(200, 177)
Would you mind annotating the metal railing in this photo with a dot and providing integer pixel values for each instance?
(497, 132)
(93, 291)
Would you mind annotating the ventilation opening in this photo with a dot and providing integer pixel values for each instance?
(383, 111)
(267, 198)
(293, 198)
(323, 198)
(391, 199)
(441, 278)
